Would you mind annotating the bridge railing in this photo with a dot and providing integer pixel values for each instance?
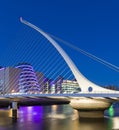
(39, 94)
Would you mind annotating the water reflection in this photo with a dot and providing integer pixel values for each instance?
(4, 119)
(31, 113)
(111, 111)
(94, 124)
(61, 117)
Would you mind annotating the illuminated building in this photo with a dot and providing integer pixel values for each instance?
(40, 78)
(49, 86)
(9, 79)
(52, 87)
(69, 86)
(28, 82)
(23, 79)
(59, 84)
(46, 85)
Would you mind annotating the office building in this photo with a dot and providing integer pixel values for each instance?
(9, 80)
(28, 82)
(70, 86)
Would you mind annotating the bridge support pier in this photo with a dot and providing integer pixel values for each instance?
(14, 110)
(91, 113)
(90, 108)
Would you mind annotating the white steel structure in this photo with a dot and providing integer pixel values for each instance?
(85, 85)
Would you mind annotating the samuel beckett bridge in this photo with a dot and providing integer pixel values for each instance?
(22, 86)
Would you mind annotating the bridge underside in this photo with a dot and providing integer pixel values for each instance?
(91, 107)
(31, 101)
(49, 99)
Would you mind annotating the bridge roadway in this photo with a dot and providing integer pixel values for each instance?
(105, 95)
(47, 99)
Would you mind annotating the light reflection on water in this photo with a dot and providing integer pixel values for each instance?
(55, 117)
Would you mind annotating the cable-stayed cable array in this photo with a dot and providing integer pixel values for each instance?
(100, 60)
(34, 49)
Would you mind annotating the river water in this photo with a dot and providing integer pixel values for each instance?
(56, 117)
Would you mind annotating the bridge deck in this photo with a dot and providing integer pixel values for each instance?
(47, 99)
(108, 95)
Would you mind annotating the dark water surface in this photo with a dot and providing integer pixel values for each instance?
(56, 117)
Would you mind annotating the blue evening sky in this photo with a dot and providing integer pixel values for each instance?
(92, 25)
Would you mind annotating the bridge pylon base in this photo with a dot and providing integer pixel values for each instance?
(14, 110)
(91, 114)
(90, 108)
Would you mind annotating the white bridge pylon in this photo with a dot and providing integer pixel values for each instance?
(85, 85)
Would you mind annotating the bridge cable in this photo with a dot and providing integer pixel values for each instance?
(104, 62)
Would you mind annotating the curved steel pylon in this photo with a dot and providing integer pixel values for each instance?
(85, 85)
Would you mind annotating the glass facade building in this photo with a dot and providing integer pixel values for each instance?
(23, 79)
(9, 80)
(28, 82)
(70, 86)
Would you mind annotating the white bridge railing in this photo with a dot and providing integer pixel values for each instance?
(89, 95)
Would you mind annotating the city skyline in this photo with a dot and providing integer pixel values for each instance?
(92, 26)
(24, 79)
